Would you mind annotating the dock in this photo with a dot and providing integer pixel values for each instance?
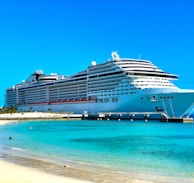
(130, 116)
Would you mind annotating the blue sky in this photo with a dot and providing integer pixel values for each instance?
(64, 36)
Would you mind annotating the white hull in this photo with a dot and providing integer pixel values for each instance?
(173, 104)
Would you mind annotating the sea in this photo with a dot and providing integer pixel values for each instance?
(139, 149)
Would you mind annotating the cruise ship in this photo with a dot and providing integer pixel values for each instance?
(117, 85)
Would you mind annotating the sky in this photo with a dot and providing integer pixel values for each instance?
(64, 36)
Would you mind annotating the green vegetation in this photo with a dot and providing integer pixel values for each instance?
(8, 110)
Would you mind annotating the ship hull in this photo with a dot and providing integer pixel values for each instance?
(173, 104)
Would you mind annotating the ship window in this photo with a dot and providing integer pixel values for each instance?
(106, 100)
(114, 99)
(100, 100)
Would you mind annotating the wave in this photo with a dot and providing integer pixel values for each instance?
(17, 148)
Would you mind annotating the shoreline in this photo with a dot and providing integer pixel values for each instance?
(36, 169)
(14, 172)
(11, 172)
(6, 121)
(27, 116)
(31, 115)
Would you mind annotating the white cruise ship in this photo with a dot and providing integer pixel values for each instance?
(117, 85)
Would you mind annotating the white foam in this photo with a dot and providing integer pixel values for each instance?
(17, 148)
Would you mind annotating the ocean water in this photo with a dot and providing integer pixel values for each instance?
(165, 149)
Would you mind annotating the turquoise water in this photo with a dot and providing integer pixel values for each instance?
(155, 148)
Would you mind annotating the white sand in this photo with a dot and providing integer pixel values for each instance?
(30, 115)
(11, 173)
(16, 117)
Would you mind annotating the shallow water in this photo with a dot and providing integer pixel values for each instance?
(164, 149)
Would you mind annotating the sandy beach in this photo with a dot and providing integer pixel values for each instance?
(22, 117)
(16, 171)
(31, 115)
(19, 172)
(12, 173)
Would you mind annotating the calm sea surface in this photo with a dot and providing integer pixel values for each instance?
(155, 148)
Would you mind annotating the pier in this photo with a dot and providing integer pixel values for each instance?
(125, 116)
(130, 116)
